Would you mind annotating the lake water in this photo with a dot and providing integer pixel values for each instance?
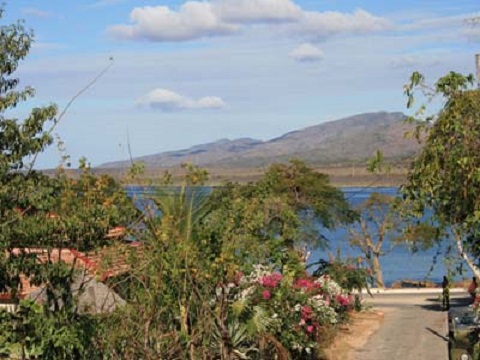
(397, 263)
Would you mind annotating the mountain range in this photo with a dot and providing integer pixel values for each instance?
(346, 141)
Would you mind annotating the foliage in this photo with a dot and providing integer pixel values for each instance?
(30, 333)
(18, 140)
(296, 312)
(283, 210)
(445, 176)
(177, 287)
(40, 216)
(381, 222)
(349, 276)
(309, 192)
(169, 285)
(181, 292)
(378, 223)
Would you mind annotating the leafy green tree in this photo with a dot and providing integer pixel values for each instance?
(445, 177)
(309, 192)
(47, 214)
(19, 189)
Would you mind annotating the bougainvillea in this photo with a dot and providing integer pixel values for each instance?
(299, 310)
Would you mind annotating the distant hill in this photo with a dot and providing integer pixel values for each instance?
(350, 140)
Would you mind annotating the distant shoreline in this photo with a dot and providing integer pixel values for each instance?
(340, 176)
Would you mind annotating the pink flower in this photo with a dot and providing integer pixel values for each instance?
(266, 294)
(307, 312)
(343, 300)
(271, 281)
(307, 284)
(310, 328)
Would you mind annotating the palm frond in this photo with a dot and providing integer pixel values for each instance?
(260, 321)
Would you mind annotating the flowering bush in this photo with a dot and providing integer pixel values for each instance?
(299, 311)
(347, 275)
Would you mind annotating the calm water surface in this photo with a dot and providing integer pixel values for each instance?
(398, 262)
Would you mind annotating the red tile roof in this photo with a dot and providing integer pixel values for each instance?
(103, 263)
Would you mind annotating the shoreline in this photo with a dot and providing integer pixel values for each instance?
(341, 176)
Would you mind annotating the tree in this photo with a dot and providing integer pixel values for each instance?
(286, 209)
(46, 213)
(380, 222)
(444, 178)
(377, 224)
(309, 192)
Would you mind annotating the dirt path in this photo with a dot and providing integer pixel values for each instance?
(414, 327)
(354, 335)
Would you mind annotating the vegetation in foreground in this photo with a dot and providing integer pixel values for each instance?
(218, 275)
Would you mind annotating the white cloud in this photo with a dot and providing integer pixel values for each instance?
(210, 102)
(435, 22)
(473, 33)
(168, 100)
(245, 11)
(307, 53)
(159, 23)
(194, 20)
(37, 12)
(322, 24)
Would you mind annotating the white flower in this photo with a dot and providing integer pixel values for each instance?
(247, 292)
(259, 271)
(329, 286)
(317, 302)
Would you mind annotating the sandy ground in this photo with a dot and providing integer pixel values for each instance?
(355, 335)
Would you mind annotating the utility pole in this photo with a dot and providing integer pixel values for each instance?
(477, 66)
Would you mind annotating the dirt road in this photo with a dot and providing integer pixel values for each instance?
(415, 327)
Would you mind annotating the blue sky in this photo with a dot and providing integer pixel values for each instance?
(190, 72)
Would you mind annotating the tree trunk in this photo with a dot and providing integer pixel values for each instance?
(377, 270)
(464, 255)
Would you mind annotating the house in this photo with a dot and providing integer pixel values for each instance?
(94, 268)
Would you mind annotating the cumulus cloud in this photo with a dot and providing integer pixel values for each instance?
(323, 24)
(307, 53)
(245, 11)
(194, 20)
(159, 23)
(167, 100)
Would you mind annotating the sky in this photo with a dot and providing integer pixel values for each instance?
(183, 73)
